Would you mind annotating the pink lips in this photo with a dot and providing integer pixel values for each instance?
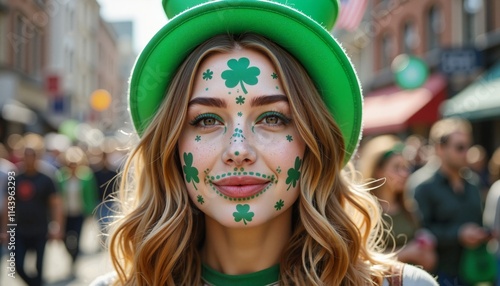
(241, 187)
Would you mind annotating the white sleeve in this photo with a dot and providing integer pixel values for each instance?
(104, 280)
(414, 276)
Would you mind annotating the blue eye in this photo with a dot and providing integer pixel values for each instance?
(207, 120)
(273, 118)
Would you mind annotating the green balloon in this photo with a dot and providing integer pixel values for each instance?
(410, 72)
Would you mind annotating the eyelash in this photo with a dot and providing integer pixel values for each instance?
(198, 119)
(284, 119)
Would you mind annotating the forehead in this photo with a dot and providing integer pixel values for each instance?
(459, 136)
(234, 72)
(218, 61)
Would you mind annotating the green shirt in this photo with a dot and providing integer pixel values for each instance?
(266, 277)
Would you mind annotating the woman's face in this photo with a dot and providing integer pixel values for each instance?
(240, 152)
(396, 171)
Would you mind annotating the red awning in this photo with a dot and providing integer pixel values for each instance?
(391, 109)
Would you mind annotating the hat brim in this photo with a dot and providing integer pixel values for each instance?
(318, 52)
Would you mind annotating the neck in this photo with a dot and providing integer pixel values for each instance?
(246, 250)
(453, 175)
(30, 171)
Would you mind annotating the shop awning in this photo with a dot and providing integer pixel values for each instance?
(480, 100)
(391, 109)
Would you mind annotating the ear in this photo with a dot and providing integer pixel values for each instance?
(379, 173)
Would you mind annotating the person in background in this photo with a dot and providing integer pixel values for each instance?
(415, 152)
(38, 215)
(450, 205)
(55, 144)
(7, 172)
(105, 173)
(386, 171)
(491, 214)
(477, 161)
(78, 188)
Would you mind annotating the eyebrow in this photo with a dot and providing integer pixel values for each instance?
(208, 101)
(268, 99)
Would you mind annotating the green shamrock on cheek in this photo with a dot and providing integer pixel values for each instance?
(240, 72)
(242, 213)
(190, 171)
(293, 174)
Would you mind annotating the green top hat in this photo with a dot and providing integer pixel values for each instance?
(299, 26)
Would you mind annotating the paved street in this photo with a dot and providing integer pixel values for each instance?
(57, 262)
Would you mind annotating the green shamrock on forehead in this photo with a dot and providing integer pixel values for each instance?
(190, 171)
(240, 72)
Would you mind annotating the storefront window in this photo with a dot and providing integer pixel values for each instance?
(387, 50)
(434, 28)
(410, 38)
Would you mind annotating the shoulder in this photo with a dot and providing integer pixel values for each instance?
(104, 280)
(432, 181)
(413, 276)
(494, 192)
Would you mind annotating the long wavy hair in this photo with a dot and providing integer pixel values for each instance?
(156, 241)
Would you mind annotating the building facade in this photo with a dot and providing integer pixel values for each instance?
(457, 40)
(24, 31)
(56, 54)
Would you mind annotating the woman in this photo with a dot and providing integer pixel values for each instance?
(491, 214)
(386, 171)
(79, 192)
(237, 178)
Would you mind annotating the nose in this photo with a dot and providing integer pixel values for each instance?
(239, 150)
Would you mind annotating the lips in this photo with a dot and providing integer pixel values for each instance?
(241, 186)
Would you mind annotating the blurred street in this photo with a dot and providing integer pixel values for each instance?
(57, 263)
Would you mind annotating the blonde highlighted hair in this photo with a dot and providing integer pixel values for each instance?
(156, 242)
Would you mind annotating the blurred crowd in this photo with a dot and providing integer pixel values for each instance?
(440, 196)
(50, 185)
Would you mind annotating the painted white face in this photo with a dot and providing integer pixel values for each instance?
(241, 154)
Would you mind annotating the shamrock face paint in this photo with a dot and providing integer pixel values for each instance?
(239, 130)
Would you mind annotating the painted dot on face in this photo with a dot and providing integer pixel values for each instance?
(236, 153)
(240, 114)
(238, 133)
(274, 75)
